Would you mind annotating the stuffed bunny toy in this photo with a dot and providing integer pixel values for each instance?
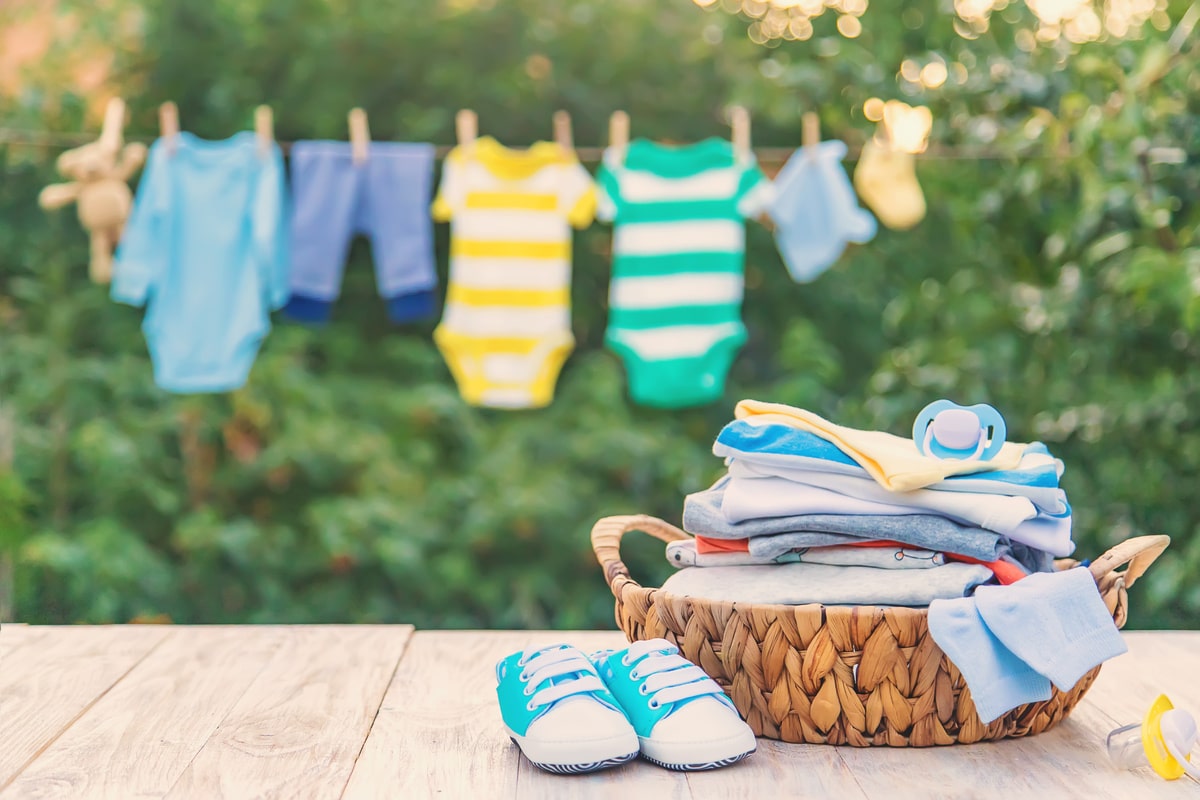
(99, 172)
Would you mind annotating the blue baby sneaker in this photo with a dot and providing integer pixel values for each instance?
(682, 718)
(559, 712)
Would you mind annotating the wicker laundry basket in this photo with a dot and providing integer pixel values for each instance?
(856, 675)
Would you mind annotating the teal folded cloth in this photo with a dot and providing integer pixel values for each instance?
(799, 583)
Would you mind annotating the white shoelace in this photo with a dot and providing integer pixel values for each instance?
(539, 666)
(670, 676)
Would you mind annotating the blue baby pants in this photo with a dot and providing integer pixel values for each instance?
(387, 199)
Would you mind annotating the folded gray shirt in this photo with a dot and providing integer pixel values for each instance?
(702, 517)
(799, 583)
(684, 554)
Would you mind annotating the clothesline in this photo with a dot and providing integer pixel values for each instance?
(765, 155)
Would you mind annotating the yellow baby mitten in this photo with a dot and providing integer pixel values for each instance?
(886, 180)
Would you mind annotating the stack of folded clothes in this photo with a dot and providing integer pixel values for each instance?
(813, 512)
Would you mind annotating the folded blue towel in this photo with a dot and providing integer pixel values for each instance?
(1055, 622)
(998, 680)
(1012, 642)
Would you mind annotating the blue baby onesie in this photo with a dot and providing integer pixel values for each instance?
(815, 211)
(387, 198)
(205, 250)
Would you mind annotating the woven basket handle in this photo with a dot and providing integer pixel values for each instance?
(1139, 552)
(606, 542)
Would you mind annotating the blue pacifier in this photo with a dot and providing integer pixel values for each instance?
(945, 429)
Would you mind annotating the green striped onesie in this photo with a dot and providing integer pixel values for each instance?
(678, 260)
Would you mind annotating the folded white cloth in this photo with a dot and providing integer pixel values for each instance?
(797, 584)
(751, 495)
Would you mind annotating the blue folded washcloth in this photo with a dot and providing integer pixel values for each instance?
(998, 680)
(1012, 642)
(1056, 622)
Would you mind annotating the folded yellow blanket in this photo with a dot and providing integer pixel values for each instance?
(891, 460)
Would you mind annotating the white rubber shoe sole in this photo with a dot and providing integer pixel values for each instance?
(570, 758)
(695, 756)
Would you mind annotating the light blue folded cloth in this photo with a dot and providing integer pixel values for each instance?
(785, 447)
(1055, 622)
(998, 680)
(1012, 642)
(702, 516)
(798, 584)
(815, 211)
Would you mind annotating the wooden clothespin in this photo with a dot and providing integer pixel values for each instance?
(739, 122)
(168, 124)
(111, 135)
(264, 128)
(466, 125)
(810, 135)
(618, 133)
(360, 136)
(618, 129)
(562, 131)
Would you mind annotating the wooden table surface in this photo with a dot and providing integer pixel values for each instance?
(380, 711)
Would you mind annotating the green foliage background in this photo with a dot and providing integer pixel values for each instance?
(347, 481)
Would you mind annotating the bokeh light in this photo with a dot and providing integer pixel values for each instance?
(1077, 21)
(849, 26)
(873, 109)
(933, 74)
(792, 19)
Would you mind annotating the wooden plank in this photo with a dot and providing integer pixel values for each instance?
(137, 739)
(1158, 662)
(1067, 761)
(637, 780)
(780, 769)
(46, 685)
(13, 635)
(439, 730)
(298, 729)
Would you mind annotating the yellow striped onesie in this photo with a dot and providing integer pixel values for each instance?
(506, 328)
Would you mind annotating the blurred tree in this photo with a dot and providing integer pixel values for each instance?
(347, 481)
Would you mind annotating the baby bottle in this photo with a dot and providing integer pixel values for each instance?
(1162, 741)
